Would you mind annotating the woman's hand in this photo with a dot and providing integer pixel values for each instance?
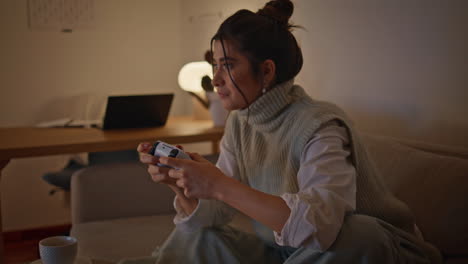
(157, 173)
(198, 177)
(160, 175)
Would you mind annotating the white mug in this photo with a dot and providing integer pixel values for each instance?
(58, 250)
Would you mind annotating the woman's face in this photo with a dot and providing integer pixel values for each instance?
(241, 72)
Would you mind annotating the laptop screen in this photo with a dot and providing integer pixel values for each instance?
(137, 111)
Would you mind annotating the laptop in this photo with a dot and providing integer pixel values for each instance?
(137, 111)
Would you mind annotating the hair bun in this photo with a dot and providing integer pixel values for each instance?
(279, 10)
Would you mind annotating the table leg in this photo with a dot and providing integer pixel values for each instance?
(3, 163)
(214, 147)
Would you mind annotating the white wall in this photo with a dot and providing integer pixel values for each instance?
(399, 68)
(133, 48)
(201, 19)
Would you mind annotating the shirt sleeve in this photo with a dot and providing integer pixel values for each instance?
(327, 191)
(210, 212)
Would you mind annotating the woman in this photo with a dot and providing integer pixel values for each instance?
(294, 165)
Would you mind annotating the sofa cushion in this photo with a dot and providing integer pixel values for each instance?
(434, 186)
(113, 240)
(116, 239)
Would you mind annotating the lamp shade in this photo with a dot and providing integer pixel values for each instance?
(191, 74)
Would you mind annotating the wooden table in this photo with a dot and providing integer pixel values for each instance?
(21, 142)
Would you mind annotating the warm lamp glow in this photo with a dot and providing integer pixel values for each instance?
(191, 74)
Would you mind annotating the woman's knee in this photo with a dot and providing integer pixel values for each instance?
(208, 234)
(365, 235)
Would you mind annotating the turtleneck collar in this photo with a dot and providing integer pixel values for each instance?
(268, 105)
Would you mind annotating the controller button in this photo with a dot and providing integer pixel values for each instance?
(173, 153)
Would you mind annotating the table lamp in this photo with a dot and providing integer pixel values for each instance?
(191, 75)
(195, 78)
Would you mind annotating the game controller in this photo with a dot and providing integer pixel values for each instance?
(162, 149)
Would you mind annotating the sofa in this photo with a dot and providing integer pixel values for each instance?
(118, 212)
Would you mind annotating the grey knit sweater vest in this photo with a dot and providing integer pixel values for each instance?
(267, 141)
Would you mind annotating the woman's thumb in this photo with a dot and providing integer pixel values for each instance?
(196, 156)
